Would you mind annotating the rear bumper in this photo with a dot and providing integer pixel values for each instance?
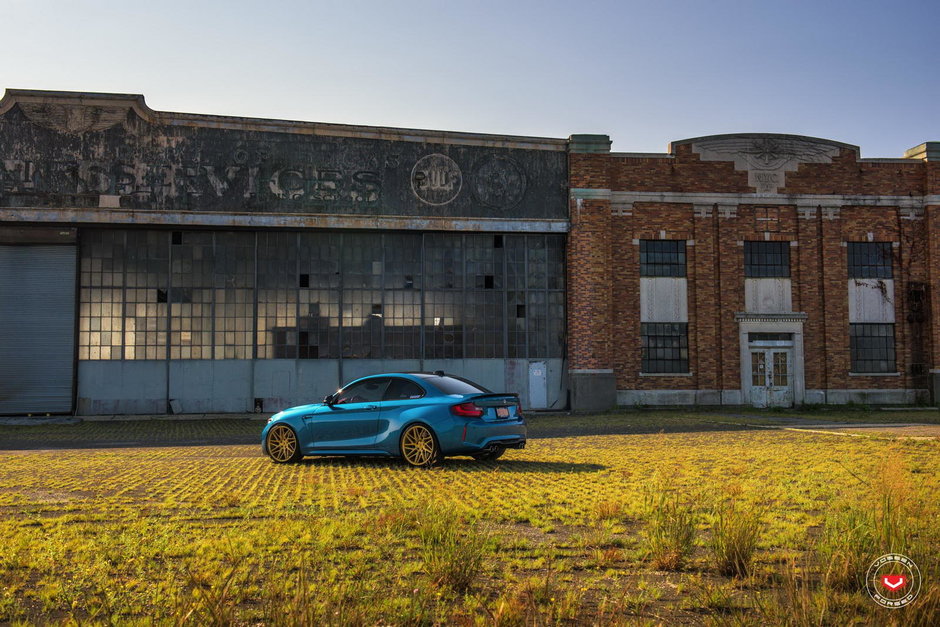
(484, 435)
(506, 443)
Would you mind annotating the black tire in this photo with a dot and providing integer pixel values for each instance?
(419, 447)
(282, 445)
(488, 456)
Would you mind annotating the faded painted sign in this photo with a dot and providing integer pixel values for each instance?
(68, 155)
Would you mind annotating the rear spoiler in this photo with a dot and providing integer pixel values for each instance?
(495, 395)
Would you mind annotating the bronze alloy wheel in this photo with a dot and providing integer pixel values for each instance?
(282, 444)
(419, 447)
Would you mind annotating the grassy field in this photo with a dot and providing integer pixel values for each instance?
(650, 518)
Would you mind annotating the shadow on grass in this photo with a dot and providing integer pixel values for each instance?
(463, 464)
(38, 444)
(558, 427)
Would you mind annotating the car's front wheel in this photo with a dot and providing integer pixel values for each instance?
(489, 455)
(419, 446)
(282, 444)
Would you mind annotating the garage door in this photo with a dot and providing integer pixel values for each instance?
(37, 328)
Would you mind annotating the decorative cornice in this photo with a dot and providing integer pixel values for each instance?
(86, 112)
(76, 112)
(766, 157)
(746, 316)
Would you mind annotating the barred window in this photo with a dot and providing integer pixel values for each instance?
(662, 258)
(665, 347)
(766, 259)
(870, 260)
(872, 347)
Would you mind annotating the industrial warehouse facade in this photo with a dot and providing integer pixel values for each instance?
(156, 262)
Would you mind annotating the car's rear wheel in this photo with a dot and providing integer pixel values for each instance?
(489, 455)
(282, 444)
(419, 446)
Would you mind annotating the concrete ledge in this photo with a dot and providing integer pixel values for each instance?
(592, 391)
(632, 398)
(629, 398)
(877, 397)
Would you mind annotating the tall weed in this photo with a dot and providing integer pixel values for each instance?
(736, 529)
(453, 549)
(670, 526)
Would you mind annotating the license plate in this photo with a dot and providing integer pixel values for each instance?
(502, 412)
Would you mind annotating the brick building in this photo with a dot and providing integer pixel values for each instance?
(752, 269)
(158, 262)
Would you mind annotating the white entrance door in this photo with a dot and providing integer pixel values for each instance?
(771, 377)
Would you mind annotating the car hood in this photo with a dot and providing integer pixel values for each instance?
(300, 409)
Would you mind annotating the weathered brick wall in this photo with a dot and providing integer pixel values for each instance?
(604, 262)
(589, 284)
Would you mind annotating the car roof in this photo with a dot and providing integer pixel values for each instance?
(418, 377)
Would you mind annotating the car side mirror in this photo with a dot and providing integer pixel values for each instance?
(328, 399)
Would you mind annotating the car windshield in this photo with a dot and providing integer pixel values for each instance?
(452, 385)
(368, 391)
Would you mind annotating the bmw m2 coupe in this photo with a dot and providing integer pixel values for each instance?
(420, 417)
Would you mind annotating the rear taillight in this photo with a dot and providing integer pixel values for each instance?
(519, 411)
(467, 410)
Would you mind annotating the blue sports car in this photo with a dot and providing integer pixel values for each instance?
(420, 417)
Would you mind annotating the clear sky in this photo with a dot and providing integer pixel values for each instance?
(644, 72)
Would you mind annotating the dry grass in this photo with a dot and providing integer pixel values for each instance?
(211, 534)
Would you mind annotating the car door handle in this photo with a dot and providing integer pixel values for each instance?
(371, 407)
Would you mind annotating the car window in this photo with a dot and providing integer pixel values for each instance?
(368, 391)
(452, 385)
(403, 390)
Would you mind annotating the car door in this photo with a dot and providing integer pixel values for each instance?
(351, 422)
(400, 395)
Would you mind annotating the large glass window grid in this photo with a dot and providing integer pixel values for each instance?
(766, 259)
(870, 260)
(101, 312)
(191, 295)
(665, 347)
(662, 258)
(277, 294)
(872, 348)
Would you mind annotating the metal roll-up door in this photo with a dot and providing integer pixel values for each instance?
(37, 329)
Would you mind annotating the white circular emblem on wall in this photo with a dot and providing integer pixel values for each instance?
(436, 179)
